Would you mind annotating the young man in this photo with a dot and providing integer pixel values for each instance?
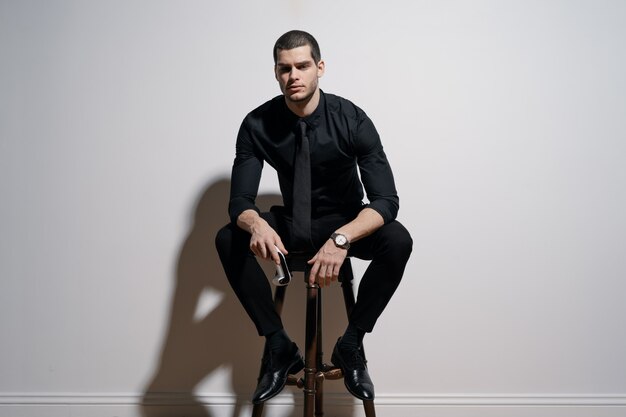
(323, 214)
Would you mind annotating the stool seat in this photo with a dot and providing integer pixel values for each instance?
(315, 370)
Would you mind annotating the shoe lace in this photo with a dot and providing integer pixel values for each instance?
(355, 359)
(271, 360)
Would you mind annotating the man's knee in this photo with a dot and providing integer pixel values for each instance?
(223, 239)
(230, 239)
(397, 239)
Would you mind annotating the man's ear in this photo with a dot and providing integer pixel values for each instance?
(275, 73)
(321, 67)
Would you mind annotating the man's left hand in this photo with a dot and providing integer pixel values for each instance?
(326, 264)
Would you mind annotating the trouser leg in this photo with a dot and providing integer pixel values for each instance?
(247, 278)
(389, 249)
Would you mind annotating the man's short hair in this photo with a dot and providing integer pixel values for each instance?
(294, 39)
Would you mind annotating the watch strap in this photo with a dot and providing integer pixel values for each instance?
(334, 237)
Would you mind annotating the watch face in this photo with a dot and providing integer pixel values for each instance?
(341, 240)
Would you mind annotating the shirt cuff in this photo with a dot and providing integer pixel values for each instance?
(238, 206)
(387, 209)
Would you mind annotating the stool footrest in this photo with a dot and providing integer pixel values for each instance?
(332, 373)
(294, 380)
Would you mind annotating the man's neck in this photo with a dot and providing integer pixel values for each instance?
(307, 107)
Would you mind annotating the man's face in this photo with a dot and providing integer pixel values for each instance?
(297, 73)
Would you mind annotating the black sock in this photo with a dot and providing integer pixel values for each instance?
(277, 340)
(353, 337)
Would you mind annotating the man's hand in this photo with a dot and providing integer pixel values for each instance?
(326, 264)
(263, 237)
(328, 260)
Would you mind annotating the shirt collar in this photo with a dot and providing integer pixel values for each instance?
(313, 119)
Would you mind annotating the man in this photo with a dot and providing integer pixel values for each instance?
(340, 142)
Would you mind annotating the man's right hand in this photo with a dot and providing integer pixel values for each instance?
(263, 237)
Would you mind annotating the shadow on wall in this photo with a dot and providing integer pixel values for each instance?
(195, 347)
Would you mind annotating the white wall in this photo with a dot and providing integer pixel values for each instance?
(504, 122)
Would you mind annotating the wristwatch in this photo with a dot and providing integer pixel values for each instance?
(341, 241)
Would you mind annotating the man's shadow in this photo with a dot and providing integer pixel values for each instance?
(198, 343)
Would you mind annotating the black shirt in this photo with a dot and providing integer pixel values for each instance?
(342, 138)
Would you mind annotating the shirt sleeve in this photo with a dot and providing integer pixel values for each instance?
(375, 171)
(245, 177)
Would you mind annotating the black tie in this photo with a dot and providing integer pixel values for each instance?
(301, 233)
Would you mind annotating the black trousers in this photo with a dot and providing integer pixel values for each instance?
(388, 249)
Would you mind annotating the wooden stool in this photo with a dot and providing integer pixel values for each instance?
(315, 370)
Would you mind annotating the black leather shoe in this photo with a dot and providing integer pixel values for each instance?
(274, 370)
(354, 366)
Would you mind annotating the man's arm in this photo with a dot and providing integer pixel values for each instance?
(328, 260)
(379, 185)
(245, 176)
(245, 179)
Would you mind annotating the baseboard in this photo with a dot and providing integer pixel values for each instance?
(176, 398)
(340, 405)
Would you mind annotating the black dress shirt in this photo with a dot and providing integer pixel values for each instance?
(342, 140)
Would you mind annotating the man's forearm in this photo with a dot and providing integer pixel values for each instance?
(366, 223)
(263, 238)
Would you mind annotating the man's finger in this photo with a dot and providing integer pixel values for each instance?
(320, 280)
(313, 274)
(274, 254)
(323, 275)
(282, 248)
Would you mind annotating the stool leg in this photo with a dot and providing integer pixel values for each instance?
(319, 358)
(319, 394)
(311, 348)
(257, 410)
(369, 408)
(319, 361)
